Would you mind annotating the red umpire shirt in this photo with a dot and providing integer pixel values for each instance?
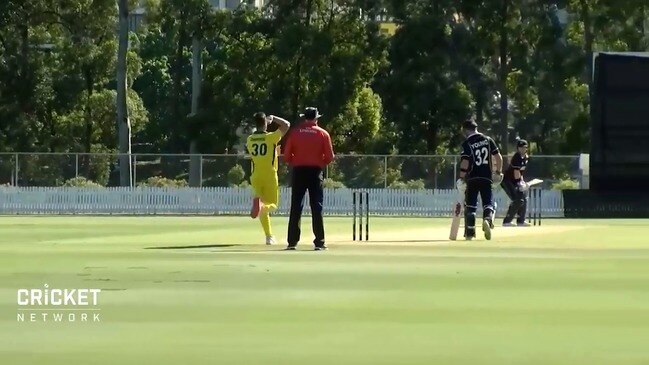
(309, 145)
(308, 150)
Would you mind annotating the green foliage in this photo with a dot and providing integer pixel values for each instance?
(45, 170)
(358, 124)
(216, 170)
(577, 134)
(566, 184)
(236, 175)
(408, 185)
(527, 100)
(404, 94)
(163, 182)
(393, 175)
(283, 174)
(102, 104)
(332, 184)
(97, 165)
(359, 171)
(82, 182)
(421, 89)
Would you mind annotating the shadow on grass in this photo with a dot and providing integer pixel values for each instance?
(253, 250)
(401, 241)
(189, 247)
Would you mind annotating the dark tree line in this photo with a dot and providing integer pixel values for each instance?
(521, 68)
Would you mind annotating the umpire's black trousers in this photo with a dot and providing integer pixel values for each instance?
(306, 178)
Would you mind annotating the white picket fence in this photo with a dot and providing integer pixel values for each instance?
(234, 201)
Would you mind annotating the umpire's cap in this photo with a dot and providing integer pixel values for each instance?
(311, 113)
(469, 125)
(521, 143)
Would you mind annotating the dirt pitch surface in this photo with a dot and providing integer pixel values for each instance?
(439, 235)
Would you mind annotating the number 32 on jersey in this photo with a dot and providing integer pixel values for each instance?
(481, 156)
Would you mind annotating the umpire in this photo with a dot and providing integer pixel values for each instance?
(308, 151)
(514, 186)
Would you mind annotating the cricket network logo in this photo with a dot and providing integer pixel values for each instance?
(58, 305)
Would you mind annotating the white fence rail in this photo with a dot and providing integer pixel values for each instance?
(235, 201)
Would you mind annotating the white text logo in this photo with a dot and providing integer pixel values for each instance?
(58, 305)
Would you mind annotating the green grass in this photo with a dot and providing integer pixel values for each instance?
(569, 292)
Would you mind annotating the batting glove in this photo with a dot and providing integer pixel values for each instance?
(460, 185)
(522, 186)
(497, 177)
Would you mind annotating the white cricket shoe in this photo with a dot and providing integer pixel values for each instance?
(270, 240)
(486, 228)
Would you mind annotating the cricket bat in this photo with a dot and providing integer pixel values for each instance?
(531, 183)
(455, 224)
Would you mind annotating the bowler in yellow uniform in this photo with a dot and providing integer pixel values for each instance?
(263, 148)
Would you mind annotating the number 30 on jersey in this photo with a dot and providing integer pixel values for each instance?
(259, 149)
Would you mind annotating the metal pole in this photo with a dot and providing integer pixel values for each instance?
(354, 219)
(454, 169)
(529, 204)
(360, 216)
(367, 216)
(76, 165)
(200, 172)
(385, 171)
(17, 175)
(134, 182)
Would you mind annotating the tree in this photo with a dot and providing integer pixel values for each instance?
(339, 54)
(520, 68)
(420, 89)
(25, 82)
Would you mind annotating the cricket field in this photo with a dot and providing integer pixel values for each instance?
(206, 290)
